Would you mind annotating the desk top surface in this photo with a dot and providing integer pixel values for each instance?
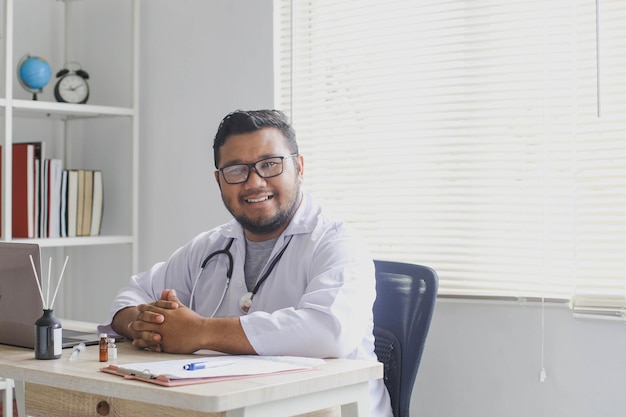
(83, 375)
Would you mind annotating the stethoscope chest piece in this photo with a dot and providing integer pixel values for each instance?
(245, 302)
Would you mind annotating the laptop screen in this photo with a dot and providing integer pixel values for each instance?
(20, 302)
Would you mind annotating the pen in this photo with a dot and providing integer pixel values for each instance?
(194, 366)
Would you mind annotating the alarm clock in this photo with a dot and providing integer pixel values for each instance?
(71, 86)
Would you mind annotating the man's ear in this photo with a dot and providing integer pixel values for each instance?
(217, 179)
(300, 162)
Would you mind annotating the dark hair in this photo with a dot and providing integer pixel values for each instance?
(240, 122)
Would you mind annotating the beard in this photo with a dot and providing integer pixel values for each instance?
(268, 225)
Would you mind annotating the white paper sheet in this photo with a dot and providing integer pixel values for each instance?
(219, 366)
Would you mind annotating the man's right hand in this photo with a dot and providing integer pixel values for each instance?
(137, 324)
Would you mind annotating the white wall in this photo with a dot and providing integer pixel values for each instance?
(201, 59)
(483, 359)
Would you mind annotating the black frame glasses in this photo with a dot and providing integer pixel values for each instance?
(265, 168)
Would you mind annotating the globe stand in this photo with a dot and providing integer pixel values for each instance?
(34, 92)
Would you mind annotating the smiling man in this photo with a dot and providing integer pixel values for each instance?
(278, 279)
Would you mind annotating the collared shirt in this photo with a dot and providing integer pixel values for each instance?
(316, 302)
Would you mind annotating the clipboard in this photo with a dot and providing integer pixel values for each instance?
(171, 373)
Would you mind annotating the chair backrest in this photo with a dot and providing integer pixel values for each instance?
(405, 301)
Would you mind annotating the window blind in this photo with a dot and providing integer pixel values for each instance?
(486, 139)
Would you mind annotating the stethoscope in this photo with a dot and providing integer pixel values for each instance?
(245, 302)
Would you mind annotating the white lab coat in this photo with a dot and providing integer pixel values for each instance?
(317, 302)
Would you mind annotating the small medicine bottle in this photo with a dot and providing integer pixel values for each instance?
(104, 348)
(112, 348)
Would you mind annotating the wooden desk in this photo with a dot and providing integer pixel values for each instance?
(63, 388)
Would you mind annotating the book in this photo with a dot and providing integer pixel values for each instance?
(23, 190)
(39, 157)
(43, 203)
(63, 213)
(72, 202)
(214, 368)
(54, 170)
(97, 204)
(80, 202)
(87, 203)
(38, 206)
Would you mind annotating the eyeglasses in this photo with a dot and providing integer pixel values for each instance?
(265, 168)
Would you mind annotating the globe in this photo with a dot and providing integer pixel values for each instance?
(34, 73)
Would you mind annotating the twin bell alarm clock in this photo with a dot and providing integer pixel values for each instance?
(72, 86)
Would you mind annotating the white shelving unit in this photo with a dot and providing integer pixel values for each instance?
(68, 127)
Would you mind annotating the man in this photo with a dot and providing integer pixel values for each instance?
(278, 279)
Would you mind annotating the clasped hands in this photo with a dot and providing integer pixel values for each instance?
(166, 325)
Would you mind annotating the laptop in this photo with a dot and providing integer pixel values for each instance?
(20, 300)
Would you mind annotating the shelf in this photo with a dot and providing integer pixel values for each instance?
(78, 241)
(102, 134)
(64, 110)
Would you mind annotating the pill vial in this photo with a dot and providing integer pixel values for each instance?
(112, 349)
(104, 348)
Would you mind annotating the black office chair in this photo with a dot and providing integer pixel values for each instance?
(405, 301)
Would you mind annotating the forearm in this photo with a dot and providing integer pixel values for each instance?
(307, 332)
(225, 335)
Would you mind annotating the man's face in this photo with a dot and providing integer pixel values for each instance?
(263, 206)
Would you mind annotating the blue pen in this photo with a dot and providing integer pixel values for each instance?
(194, 366)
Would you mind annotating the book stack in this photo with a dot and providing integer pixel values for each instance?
(81, 210)
(50, 201)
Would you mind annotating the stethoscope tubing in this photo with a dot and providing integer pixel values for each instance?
(229, 273)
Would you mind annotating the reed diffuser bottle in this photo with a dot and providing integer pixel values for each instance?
(48, 336)
(48, 330)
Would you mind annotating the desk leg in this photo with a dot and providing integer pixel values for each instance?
(354, 402)
(7, 402)
(19, 398)
(360, 407)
